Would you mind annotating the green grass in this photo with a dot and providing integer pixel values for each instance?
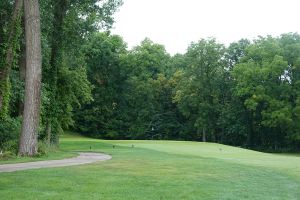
(53, 155)
(160, 170)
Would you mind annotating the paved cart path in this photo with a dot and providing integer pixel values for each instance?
(83, 158)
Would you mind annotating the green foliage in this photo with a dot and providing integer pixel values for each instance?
(127, 95)
(43, 148)
(66, 27)
(66, 32)
(10, 33)
(103, 56)
(9, 134)
(246, 94)
(263, 82)
(198, 93)
(5, 94)
(10, 148)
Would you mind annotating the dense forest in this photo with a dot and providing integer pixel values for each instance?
(245, 94)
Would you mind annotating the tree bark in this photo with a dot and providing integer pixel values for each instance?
(29, 134)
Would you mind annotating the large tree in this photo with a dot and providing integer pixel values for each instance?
(198, 93)
(29, 134)
(264, 85)
(72, 23)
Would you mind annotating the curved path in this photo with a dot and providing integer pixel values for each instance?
(83, 158)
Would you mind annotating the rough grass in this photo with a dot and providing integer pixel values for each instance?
(160, 170)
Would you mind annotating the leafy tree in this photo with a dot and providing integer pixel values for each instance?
(265, 91)
(72, 22)
(146, 63)
(197, 94)
(103, 54)
(66, 25)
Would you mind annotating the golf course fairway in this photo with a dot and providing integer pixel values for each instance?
(157, 170)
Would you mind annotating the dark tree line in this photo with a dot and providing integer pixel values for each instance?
(246, 94)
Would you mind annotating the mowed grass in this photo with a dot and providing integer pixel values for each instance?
(53, 155)
(160, 170)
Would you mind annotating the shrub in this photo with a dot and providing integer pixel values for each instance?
(7, 155)
(9, 134)
(43, 148)
(11, 146)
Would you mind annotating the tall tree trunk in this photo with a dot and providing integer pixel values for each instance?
(49, 134)
(60, 10)
(13, 37)
(250, 123)
(213, 136)
(198, 136)
(29, 134)
(22, 74)
(203, 135)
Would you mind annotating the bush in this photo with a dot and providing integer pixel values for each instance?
(9, 134)
(43, 149)
(7, 155)
(11, 146)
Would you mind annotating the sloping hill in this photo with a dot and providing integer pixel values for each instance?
(290, 164)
